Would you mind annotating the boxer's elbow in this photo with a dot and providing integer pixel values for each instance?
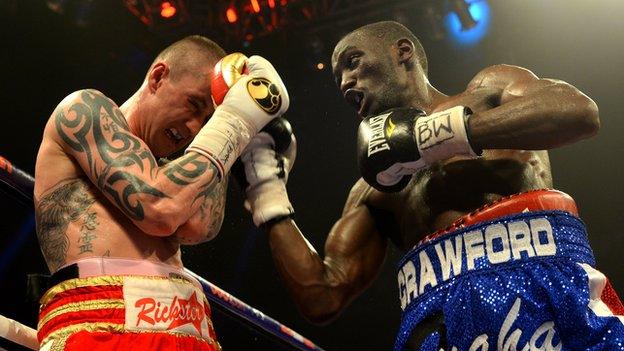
(588, 120)
(321, 313)
(197, 231)
(322, 305)
(581, 111)
(161, 218)
(320, 319)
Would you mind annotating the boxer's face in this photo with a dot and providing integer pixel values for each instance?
(181, 108)
(367, 74)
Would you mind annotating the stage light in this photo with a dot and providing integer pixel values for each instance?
(320, 66)
(57, 6)
(466, 19)
(255, 5)
(459, 32)
(271, 3)
(167, 9)
(231, 15)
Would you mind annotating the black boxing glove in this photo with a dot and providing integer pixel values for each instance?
(396, 144)
(266, 163)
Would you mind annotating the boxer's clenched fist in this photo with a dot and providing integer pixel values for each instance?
(267, 161)
(394, 145)
(252, 94)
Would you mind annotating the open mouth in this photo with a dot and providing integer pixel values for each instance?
(174, 134)
(364, 107)
(354, 98)
(358, 100)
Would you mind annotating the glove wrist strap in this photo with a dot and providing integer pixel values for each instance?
(222, 139)
(268, 201)
(444, 134)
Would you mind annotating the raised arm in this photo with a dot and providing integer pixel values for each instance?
(159, 200)
(92, 130)
(354, 252)
(532, 113)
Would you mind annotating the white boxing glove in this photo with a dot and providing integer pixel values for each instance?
(250, 103)
(266, 172)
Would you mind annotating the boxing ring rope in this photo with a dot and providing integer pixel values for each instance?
(19, 185)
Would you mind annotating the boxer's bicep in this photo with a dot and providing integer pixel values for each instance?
(526, 88)
(355, 251)
(533, 113)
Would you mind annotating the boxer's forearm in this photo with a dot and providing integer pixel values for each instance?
(554, 115)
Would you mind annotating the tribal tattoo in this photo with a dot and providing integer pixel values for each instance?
(55, 212)
(123, 167)
(119, 162)
(186, 169)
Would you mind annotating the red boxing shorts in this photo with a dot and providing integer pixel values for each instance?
(165, 310)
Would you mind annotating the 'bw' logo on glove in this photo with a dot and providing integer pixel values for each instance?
(434, 130)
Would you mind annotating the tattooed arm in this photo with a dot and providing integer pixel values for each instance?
(159, 200)
(208, 219)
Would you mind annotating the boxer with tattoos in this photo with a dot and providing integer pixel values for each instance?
(110, 219)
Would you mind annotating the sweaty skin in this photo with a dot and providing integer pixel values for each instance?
(516, 117)
(99, 191)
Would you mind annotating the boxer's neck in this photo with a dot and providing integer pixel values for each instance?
(132, 111)
(427, 98)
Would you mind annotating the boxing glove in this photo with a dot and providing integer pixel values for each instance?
(254, 99)
(266, 163)
(396, 144)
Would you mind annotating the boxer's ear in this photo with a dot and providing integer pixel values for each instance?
(405, 49)
(156, 75)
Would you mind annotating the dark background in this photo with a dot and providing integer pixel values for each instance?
(45, 56)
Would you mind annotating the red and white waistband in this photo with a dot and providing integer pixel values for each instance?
(533, 200)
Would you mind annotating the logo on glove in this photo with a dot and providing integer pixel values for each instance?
(265, 94)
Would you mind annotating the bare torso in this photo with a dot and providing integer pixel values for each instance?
(75, 220)
(439, 195)
(514, 110)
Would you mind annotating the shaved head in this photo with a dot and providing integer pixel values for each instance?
(388, 33)
(190, 55)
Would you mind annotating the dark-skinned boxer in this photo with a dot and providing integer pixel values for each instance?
(491, 260)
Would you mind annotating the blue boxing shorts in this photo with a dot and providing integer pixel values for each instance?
(518, 275)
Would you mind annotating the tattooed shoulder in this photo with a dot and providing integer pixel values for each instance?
(94, 131)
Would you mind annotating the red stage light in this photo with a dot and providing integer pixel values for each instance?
(255, 6)
(271, 4)
(231, 15)
(283, 2)
(167, 10)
